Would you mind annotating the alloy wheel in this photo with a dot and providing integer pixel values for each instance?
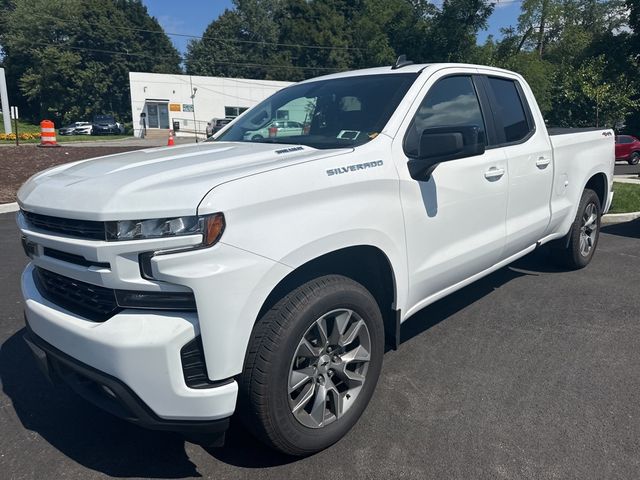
(329, 368)
(588, 229)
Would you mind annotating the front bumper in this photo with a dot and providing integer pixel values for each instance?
(141, 349)
(109, 393)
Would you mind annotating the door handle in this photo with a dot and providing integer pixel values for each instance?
(542, 162)
(494, 173)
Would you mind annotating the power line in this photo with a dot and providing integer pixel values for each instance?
(202, 37)
(236, 40)
(155, 57)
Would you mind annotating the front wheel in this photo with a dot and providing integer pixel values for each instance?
(583, 236)
(312, 365)
(634, 158)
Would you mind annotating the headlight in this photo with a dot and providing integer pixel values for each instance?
(209, 226)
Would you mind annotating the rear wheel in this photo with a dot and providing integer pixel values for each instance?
(634, 158)
(312, 365)
(257, 137)
(583, 236)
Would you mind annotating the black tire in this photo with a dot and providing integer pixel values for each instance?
(264, 398)
(635, 158)
(257, 137)
(571, 255)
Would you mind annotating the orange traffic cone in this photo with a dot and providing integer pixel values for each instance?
(170, 143)
(47, 134)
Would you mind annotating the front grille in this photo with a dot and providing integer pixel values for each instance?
(89, 301)
(100, 303)
(75, 228)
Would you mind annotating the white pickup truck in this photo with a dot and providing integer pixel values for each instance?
(263, 276)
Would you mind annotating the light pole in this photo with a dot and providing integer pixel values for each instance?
(193, 107)
(4, 99)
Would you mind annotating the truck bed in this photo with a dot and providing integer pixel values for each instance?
(566, 131)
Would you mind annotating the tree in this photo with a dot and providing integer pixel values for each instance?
(241, 43)
(452, 35)
(68, 66)
(585, 96)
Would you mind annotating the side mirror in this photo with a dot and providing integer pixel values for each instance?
(442, 144)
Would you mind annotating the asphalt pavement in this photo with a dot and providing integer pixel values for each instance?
(623, 168)
(529, 373)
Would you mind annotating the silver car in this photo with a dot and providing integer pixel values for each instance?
(283, 128)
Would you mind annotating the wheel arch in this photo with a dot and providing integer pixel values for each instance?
(365, 264)
(598, 183)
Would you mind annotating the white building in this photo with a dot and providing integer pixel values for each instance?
(158, 100)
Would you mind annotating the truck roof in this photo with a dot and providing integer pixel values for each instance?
(413, 68)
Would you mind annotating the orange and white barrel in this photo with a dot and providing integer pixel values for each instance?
(47, 134)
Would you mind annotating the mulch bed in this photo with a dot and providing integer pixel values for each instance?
(17, 164)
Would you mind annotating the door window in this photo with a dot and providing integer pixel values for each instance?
(163, 115)
(451, 102)
(509, 109)
(152, 115)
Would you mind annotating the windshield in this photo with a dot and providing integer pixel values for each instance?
(341, 112)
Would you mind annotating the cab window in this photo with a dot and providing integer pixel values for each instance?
(451, 102)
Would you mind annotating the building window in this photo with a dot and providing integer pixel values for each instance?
(233, 112)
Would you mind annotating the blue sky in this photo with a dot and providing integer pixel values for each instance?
(191, 17)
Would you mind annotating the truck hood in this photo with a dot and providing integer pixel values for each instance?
(153, 183)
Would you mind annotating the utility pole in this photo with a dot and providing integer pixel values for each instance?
(193, 107)
(4, 99)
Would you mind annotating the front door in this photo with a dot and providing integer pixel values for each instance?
(455, 220)
(157, 115)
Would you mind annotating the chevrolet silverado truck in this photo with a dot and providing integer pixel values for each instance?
(265, 277)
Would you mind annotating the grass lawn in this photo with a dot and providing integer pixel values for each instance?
(25, 127)
(626, 198)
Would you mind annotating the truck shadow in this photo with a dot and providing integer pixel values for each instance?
(114, 447)
(81, 431)
(626, 229)
(533, 264)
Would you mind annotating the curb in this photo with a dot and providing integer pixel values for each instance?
(613, 218)
(9, 207)
(634, 179)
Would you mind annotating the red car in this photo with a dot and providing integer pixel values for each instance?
(628, 149)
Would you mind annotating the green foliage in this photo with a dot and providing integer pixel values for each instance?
(60, 61)
(584, 97)
(344, 34)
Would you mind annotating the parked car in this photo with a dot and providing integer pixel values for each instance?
(106, 125)
(628, 149)
(278, 128)
(176, 287)
(76, 128)
(216, 124)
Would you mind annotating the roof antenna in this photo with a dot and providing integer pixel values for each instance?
(401, 62)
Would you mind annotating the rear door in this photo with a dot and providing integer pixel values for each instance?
(530, 162)
(455, 220)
